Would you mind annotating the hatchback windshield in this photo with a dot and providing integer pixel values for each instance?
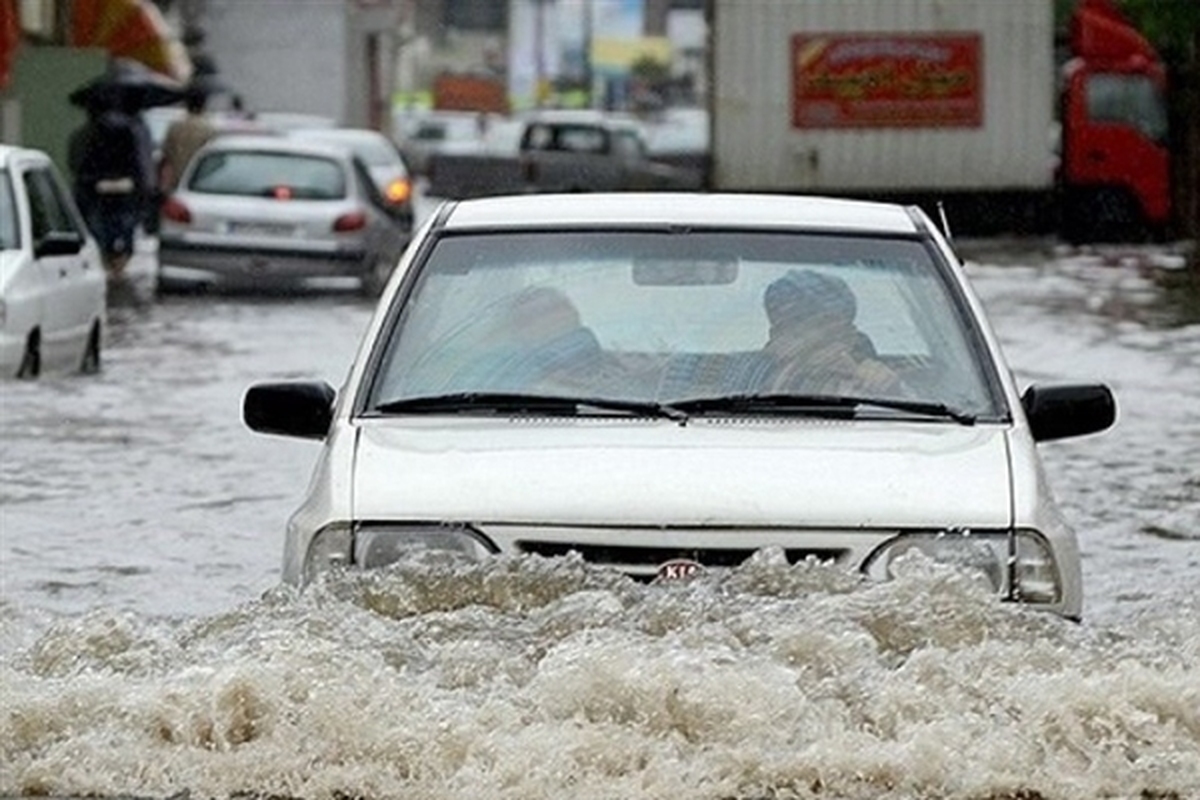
(264, 174)
(672, 317)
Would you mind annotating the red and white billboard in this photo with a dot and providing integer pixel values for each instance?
(852, 80)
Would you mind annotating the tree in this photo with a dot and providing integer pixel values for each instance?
(1173, 27)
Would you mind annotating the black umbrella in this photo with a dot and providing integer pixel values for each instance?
(129, 85)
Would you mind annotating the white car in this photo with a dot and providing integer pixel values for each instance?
(52, 282)
(380, 156)
(263, 211)
(668, 383)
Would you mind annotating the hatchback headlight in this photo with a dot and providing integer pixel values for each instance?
(369, 546)
(1018, 565)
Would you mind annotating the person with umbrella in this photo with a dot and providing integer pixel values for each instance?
(112, 161)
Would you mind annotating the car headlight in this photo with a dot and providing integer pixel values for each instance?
(369, 546)
(1018, 565)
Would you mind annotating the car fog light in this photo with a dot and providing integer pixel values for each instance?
(377, 546)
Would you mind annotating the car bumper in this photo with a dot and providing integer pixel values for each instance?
(244, 262)
(12, 350)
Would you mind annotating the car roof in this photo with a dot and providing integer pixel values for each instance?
(10, 151)
(712, 210)
(338, 134)
(582, 116)
(275, 143)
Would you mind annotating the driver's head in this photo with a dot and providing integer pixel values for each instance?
(805, 298)
(542, 313)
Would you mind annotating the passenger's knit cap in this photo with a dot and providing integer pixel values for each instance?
(803, 293)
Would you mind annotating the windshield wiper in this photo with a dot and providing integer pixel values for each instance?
(816, 404)
(517, 403)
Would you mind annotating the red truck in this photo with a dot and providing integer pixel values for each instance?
(1115, 170)
(959, 103)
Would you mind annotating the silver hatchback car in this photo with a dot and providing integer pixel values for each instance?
(668, 383)
(263, 210)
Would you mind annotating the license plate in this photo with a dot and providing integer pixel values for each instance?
(261, 229)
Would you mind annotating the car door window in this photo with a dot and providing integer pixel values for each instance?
(10, 228)
(48, 208)
(369, 189)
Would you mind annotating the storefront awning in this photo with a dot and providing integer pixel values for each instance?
(133, 29)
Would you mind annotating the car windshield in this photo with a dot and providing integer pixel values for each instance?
(445, 128)
(10, 230)
(265, 174)
(721, 322)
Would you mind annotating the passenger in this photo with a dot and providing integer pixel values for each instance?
(184, 137)
(546, 344)
(814, 347)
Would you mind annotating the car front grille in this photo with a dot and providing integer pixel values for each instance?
(643, 562)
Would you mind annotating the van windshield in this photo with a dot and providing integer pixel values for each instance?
(1133, 100)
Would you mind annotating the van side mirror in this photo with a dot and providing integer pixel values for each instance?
(1060, 412)
(293, 408)
(58, 243)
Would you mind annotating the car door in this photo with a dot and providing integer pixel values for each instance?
(69, 301)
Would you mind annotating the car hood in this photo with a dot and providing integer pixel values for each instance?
(709, 472)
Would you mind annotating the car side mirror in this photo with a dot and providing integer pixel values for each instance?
(1060, 412)
(294, 408)
(58, 243)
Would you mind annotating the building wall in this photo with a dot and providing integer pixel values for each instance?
(43, 78)
(281, 55)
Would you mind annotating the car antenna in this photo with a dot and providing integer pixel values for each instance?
(945, 222)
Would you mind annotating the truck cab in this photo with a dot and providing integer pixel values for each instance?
(581, 151)
(1115, 168)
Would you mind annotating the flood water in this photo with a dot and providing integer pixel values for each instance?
(146, 649)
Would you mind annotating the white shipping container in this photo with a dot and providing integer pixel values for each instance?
(757, 146)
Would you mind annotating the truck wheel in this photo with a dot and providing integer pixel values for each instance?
(1103, 215)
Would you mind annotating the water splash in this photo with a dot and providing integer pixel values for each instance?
(529, 678)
